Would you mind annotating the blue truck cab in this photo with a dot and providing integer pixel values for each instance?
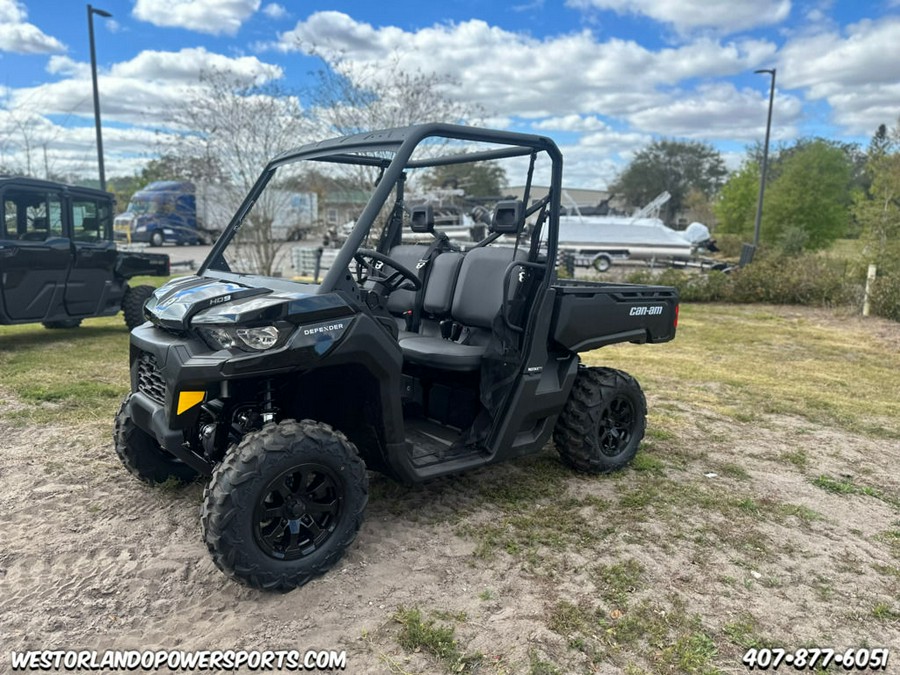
(163, 211)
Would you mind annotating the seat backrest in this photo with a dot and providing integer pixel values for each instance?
(479, 288)
(441, 284)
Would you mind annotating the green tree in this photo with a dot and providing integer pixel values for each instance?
(673, 166)
(736, 207)
(481, 179)
(807, 205)
(878, 209)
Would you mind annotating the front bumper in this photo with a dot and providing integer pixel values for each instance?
(150, 416)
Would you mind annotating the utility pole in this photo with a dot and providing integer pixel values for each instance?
(90, 13)
(765, 162)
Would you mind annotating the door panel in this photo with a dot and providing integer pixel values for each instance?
(91, 273)
(34, 255)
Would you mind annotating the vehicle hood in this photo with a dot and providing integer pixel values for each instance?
(194, 300)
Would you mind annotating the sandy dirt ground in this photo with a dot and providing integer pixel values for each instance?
(92, 559)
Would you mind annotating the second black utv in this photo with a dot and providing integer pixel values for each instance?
(417, 360)
(59, 264)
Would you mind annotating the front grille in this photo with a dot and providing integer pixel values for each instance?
(149, 380)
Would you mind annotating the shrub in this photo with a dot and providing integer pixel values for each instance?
(776, 279)
(885, 297)
(794, 280)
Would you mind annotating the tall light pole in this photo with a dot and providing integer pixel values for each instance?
(90, 13)
(765, 162)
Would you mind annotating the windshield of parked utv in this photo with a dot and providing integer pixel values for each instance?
(309, 208)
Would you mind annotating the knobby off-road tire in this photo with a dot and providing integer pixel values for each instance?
(143, 456)
(603, 421)
(133, 305)
(65, 323)
(284, 504)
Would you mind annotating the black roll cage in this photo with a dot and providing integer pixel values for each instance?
(362, 149)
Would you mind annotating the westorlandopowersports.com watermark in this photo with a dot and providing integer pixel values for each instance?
(178, 660)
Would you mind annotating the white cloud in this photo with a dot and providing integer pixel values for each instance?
(857, 73)
(21, 37)
(507, 72)
(63, 65)
(204, 16)
(727, 16)
(721, 111)
(275, 11)
(138, 91)
(186, 65)
(574, 123)
(71, 151)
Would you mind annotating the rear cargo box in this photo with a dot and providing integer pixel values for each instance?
(588, 315)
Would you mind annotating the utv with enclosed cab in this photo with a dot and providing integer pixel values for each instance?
(417, 360)
(58, 261)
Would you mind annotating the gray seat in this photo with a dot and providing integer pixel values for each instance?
(476, 300)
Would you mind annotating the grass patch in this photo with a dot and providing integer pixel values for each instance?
(420, 634)
(848, 487)
(884, 612)
(798, 458)
(666, 634)
(68, 376)
(537, 665)
(766, 362)
(617, 581)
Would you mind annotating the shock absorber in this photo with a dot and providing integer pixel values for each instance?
(268, 398)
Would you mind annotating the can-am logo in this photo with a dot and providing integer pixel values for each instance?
(327, 328)
(646, 311)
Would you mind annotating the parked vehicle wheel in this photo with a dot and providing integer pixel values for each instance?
(602, 263)
(143, 456)
(157, 238)
(133, 305)
(284, 504)
(65, 323)
(603, 421)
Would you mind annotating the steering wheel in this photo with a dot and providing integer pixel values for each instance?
(402, 277)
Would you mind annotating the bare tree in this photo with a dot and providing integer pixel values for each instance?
(351, 98)
(229, 131)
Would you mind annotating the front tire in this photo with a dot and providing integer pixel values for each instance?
(284, 504)
(603, 422)
(157, 238)
(133, 305)
(143, 456)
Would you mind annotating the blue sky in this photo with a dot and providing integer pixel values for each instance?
(602, 77)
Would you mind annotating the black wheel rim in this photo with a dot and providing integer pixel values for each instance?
(297, 511)
(616, 426)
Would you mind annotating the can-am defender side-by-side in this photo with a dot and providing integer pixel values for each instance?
(417, 360)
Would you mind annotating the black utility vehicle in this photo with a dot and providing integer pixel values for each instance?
(58, 261)
(416, 360)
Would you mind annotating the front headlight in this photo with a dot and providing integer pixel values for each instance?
(257, 339)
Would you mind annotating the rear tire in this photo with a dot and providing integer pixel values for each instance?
(65, 323)
(143, 456)
(133, 305)
(603, 422)
(284, 504)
